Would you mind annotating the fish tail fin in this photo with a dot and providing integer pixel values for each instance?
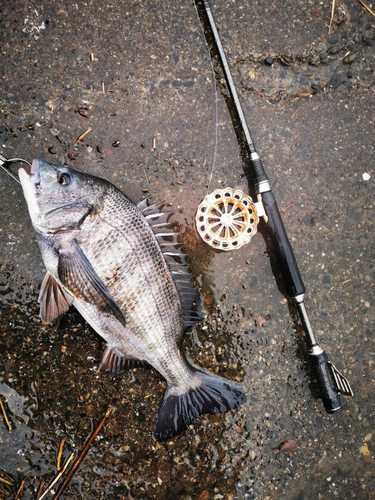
(211, 394)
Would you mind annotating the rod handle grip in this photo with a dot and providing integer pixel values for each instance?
(282, 248)
(327, 386)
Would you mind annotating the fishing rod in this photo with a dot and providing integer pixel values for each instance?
(330, 381)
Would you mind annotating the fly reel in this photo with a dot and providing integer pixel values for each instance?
(227, 218)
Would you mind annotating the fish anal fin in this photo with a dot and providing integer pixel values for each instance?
(211, 394)
(115, 362)
(53, 300)
(77, 275)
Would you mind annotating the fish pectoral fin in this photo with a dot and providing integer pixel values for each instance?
(53, 300)
(115, 362)
(79, 277)
(210, 394)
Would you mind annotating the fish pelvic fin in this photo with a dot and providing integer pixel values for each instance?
(53, 300)
(115, 362)
(212, 394)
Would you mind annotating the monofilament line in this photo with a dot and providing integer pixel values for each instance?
(216, 102)
(11, 160)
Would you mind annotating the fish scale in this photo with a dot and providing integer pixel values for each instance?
(145, 308)
(120, 265)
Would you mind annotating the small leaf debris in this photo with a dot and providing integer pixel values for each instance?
(288, 445)
(84, 112)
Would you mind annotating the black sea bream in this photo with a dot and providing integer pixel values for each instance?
(117, 263)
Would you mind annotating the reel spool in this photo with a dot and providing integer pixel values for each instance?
(227, 218)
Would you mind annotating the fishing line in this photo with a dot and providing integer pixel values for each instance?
(227, 218)
(216, 99)
(11, 160)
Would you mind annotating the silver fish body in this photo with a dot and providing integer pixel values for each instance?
(117, 263)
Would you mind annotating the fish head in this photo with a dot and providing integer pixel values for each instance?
(59, 198)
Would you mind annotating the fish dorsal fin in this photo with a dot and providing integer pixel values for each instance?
(167, 237)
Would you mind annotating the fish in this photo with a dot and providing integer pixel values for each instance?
(121, 266)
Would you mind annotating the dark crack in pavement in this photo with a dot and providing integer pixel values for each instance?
(142, 71)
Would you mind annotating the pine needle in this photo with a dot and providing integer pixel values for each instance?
(332, 15)
(366, 7)
(59, 454)
(5, 416)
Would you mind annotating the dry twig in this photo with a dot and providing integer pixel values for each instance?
(81, 455)
(284, 209)
(20, 489)
(59, 453)
(39, 491)
(82, 136)
(5, 416)
(294, 114)
(3, 480)
(61, 472)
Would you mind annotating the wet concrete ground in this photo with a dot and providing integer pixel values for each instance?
(149, 85)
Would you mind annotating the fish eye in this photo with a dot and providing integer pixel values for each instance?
(64, 178)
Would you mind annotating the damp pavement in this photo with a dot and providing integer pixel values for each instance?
(155, 126)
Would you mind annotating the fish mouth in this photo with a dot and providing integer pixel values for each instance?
(33, 176)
